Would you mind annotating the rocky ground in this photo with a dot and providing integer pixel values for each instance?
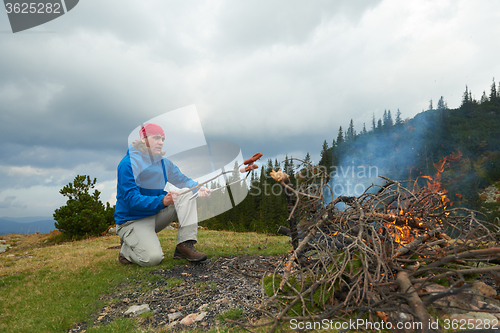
(198, 296)
(491, 194)
(193, 296)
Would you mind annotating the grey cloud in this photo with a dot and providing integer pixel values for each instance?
(58, 157)
(250, 25)
(31, 176)
(90, 102)
(9, 202)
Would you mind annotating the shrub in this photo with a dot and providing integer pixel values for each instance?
(84, 213)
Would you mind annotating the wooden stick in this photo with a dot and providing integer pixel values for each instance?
(416, 304)
(461, 271)
(415, 243)
(467, 254)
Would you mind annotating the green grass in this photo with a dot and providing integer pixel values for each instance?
(47, 301)
(174, 282)
(60, 285)
(118, 325)
(233, 314)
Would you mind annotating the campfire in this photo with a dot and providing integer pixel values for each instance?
(391, 255)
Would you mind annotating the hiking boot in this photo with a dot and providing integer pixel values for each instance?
(186, 250)
(123, 260)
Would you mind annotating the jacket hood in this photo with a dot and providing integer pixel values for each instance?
(141, 146)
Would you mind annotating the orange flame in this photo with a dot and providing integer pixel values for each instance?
(404, 234)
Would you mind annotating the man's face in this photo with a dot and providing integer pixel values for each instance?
(154, 143)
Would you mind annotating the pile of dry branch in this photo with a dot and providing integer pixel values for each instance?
(374, 257)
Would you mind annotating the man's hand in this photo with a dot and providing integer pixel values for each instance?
(170, 198)
(203, 192)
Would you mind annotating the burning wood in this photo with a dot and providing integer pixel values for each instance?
(376, 256)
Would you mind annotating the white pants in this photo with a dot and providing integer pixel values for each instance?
(141, 245)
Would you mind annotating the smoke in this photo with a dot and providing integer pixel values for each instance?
(390, 151)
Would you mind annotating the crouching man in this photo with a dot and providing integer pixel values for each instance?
(143, 208)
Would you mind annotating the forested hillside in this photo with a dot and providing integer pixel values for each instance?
(414, 147)
(397, 148)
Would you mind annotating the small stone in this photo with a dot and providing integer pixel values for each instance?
(189, 319)
(203, 307)
(483, 289)
(473, 307)
(201, 316)
(477, 319)
(4, 247)
(174, 316)
(222, 301)
(404, 317)
(173, 324)
(136, 310)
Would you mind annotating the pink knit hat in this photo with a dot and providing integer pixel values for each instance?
(149, 129)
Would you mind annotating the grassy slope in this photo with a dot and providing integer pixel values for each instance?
(47, 289)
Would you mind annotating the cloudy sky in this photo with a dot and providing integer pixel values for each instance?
(278, 77)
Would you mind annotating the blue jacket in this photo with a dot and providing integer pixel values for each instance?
(141, 182)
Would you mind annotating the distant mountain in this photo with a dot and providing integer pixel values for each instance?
(26, 225)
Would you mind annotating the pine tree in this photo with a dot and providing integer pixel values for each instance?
(465, 98)
(351, 133)
(363, 132)
(390, 123)
(325, 157)
(276, 164)
(340, 137)
(307, 158)
(238, 191)
(398, 118)
(493, 91)
(441, 104)
(374, 123)
(289, 168)
(484, 98)
(84, 213)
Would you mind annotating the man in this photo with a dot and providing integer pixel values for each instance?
(143, 208)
